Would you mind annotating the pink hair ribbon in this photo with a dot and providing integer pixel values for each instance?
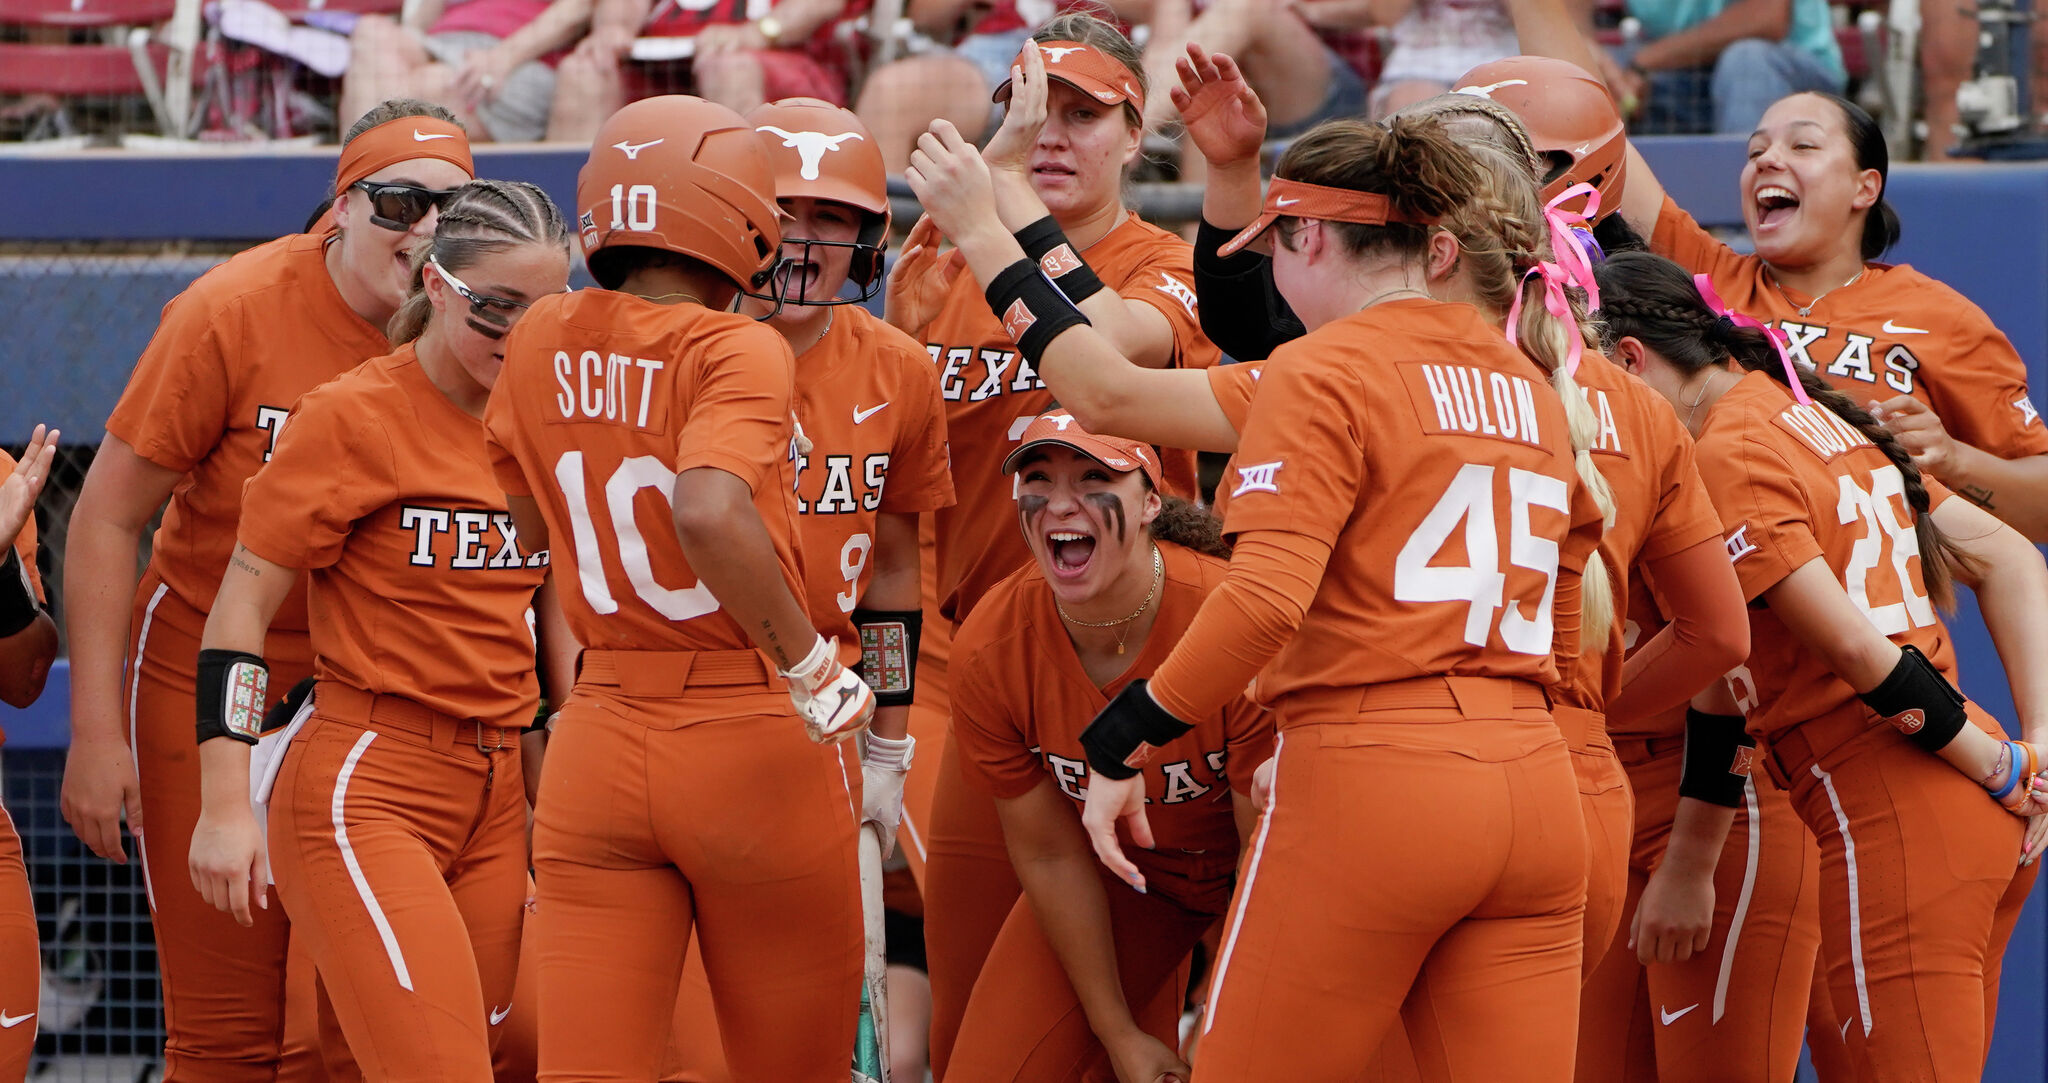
(1572, 265)
(1555, 279)
(1777, 337)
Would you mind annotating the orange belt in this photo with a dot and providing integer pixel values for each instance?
(1480, 697)
(1635, 750)
(1790, 752)
(669, 673)
(345, 703)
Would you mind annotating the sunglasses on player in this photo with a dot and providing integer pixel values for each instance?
(495, 313)
(398, 207)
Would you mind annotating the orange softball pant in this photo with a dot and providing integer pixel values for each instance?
(969, 890)
(1426, 849)
(1920, 889)
(679, 791)
(1024, 1021)
(1609, 807)
(516, 1059)
(230, 1014)
(398, 839)
(20, 958)
(1734, 1012)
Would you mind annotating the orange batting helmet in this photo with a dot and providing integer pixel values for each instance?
(1569, 117)
(683, 175)
(822, 151)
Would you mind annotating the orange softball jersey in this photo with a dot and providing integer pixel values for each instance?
(1793, 483)
(1021, 700)
(1458, 467)
(868, 399)
(604, 399)
(210, 395)
(991, 393)
(418, 585)
(1894, 331)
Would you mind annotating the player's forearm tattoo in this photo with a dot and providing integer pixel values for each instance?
(774, 644)
(252, 569)
(1978, 495)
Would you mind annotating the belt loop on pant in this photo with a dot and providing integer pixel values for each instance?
(355, 706)
(670, 673)
(1479, 697)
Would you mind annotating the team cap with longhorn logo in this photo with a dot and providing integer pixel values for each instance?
(1115, 452)
(1085, 68)
(1300, 199)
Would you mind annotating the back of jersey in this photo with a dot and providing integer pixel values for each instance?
(1434, 460)
(604, 399)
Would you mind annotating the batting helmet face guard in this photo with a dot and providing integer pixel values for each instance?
(821, 151)
(683, 175)
(1569, 117)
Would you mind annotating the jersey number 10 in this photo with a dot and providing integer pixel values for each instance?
(634, 474)
(1479, 582)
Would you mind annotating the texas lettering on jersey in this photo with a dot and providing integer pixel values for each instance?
(1179, 782)
(465, 538)
(968, 374)
(1814, 347)
(849, 487)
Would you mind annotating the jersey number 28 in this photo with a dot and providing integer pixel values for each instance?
(1479, 582)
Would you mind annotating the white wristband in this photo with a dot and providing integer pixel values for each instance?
(888, 753)
(820, 654)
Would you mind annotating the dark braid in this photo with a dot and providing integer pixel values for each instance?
(1190, 526)
(1653, 300)
(482, 217)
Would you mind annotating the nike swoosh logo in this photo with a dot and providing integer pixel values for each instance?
(421, 137)
(498, 1015)
(1671, 1017)
(9, 1022)
(1285, 202)
(860, 415)
(1891, 328)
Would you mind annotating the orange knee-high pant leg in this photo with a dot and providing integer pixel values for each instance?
(1480, 891)
(1617, 1043)
(1917, 870)
(712, 811)
(1024, 1022)
(969, 888)
(399, 847)
(20, 958)
(228, 1012)
(1735, 1012)
(516, 1060)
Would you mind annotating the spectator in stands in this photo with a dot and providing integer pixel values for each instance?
(491, 62)
(743, 56)
(979, 41)
(1300, 77)
(1434, 41)
(1716, 65)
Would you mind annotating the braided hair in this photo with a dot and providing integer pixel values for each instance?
(1501, 234)
(1653, 300)
(482, 217)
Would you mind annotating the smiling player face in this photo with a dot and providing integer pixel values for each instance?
(1084, 522)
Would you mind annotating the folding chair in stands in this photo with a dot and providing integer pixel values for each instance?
(80, 50)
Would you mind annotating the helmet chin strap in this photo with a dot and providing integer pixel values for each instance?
(784, 270)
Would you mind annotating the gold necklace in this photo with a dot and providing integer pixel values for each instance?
(1383, 295)
(1693, 407)
(1808, 310)
(1158, 575)
(665, 298)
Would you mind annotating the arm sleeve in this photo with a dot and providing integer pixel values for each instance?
(328, 471)
(1242, 624)
(738, 418)
(1165, 281)
(1242, 311)
(995, 754)
(1708, 620)
(920, 466)
(1980, 391)
(175, 408)
(1681, 240)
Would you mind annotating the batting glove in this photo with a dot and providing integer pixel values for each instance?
(884, 762)
(832, 700)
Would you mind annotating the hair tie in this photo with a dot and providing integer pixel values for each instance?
(1736, 319)
(1555, 279)
(1723, 325)
(1571, 239)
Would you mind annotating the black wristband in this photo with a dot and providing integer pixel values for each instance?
(1131, 721)
(1718, 754)
(888, 652)
(1031, 308)
(1045, 243)
(18, 608)
(231, 692)
(1919, 702)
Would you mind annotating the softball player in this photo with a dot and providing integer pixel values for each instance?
(205, 407)
(397, 826)
(649, 432)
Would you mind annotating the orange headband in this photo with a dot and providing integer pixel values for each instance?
(1300, 199)
(401, 140)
